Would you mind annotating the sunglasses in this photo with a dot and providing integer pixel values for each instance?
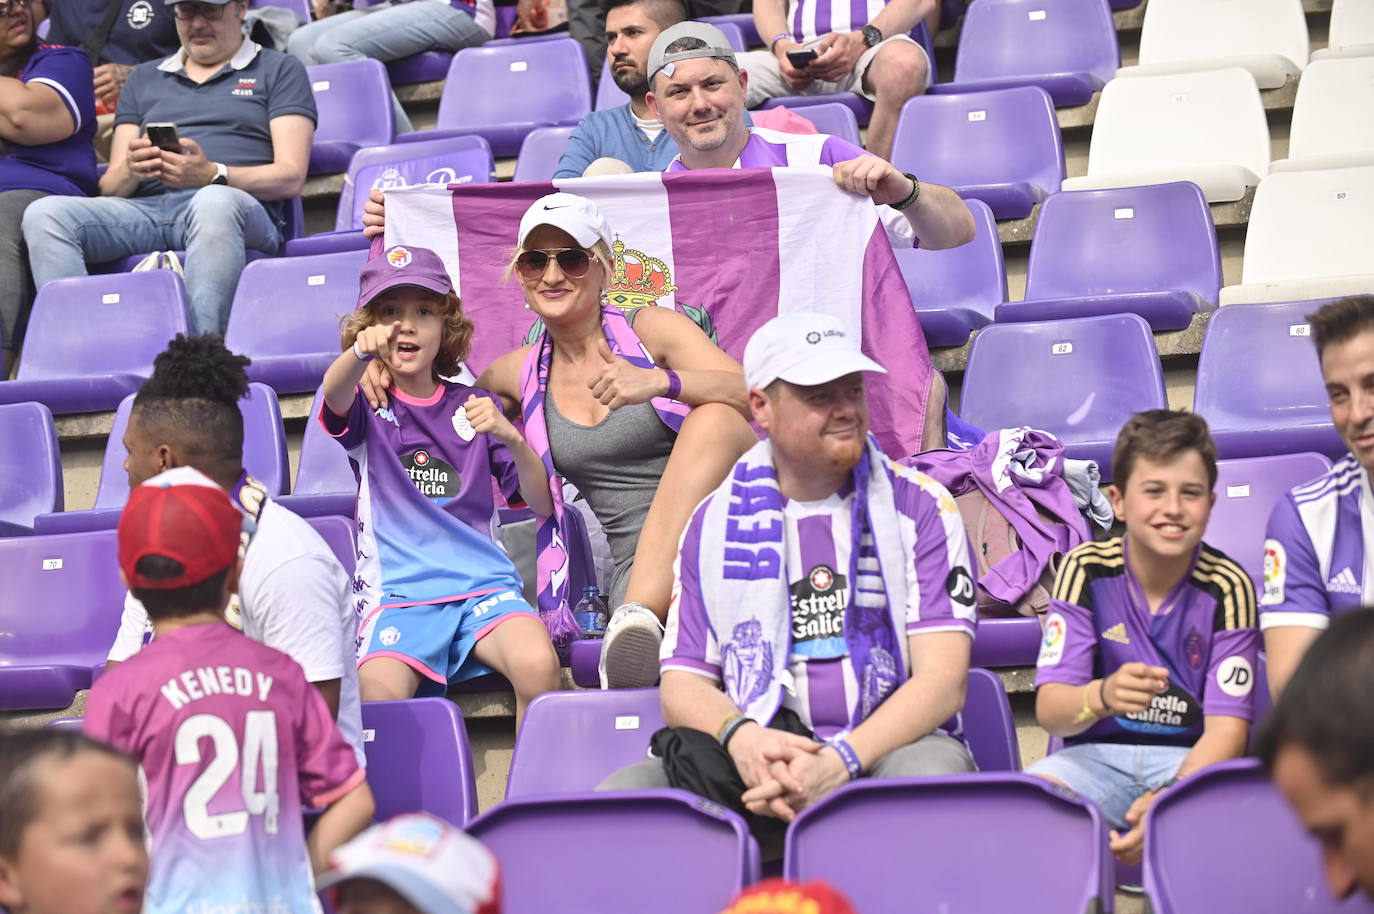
(574, 262)
(210, 12)
(13, 6)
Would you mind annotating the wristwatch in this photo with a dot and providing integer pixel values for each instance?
(872, 36)
(221, 173)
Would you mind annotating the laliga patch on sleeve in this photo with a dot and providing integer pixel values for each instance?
(1235, 677)
(1275, 571)
(1052, 645)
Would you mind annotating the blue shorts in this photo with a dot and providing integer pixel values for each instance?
(1112, 775)
(436, 639)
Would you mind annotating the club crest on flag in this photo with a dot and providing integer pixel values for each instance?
(637, 280)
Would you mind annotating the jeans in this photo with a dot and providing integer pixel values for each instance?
(16, 289)
(212, 224)
(385, 33)
(1112, 775)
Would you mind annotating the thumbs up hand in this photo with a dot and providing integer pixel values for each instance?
(617, 383)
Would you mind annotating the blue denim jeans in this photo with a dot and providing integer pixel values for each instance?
(214, 225)
(385, 33)
(1112, 775)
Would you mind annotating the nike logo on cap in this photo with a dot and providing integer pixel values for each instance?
(563, 206)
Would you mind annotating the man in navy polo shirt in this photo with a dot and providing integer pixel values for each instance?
(245, 118)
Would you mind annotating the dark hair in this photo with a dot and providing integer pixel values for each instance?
(1341, 320)
(1327, 704)
(1161, 435)
(181, 601)
(192, 401)
(663, 12)
(20, 753)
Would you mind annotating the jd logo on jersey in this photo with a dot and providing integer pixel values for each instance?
(434, 478)
(1170, 713)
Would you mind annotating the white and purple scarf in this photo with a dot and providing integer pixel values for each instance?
(744, 584)
(550, 550)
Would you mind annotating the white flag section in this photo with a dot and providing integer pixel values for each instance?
(730, 248)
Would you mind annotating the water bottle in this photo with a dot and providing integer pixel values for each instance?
(591, 614)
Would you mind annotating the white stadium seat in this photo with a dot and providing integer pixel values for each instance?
(1308, 237)
(1333, 117)
(1352, 30)
(1208, 128)
(1266, 37)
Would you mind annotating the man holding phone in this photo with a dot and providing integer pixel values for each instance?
(208, 144)
(816, 47)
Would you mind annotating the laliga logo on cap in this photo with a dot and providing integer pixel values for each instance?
(398, 257)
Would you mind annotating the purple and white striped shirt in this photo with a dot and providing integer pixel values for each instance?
(813, 18)
(775, 149)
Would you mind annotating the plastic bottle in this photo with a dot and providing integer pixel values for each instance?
(591, 614)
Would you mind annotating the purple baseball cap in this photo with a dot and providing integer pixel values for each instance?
(402, 265)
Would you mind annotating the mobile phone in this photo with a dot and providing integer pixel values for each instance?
(164, 136)
(799, 59)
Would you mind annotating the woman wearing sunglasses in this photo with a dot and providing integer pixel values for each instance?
(47, 123)
(639, 410)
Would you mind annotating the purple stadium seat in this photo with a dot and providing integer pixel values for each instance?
(831, 118)
(325, 483)
(1006, 642)
(1278, 405)
(91, 339)
(418, 759)
(66, 723)
(425, 67)
(523, 87)
(584, 659)
(956, 291)
(1079, 379)
(292, 346)
(570, 741)
(456, 160)
(988, 723)
(1247, 490)
(1230, 818)
(338, 532)
(742, 21)
(1067, 47)
(540, 152)
(959, 843)
(1150, 250)
(668, 851)
(355, 111)
(609, 95)
(295, 224)
(30, 467)
(1002, 147)
(300, 7)
(264, 455)
(526, 39)
(860, 106)
(59, 611)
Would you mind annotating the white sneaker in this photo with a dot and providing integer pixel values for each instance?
(629, 654)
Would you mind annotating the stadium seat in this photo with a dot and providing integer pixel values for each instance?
(523, 87)
(959, 843)
(1148, 250)
(355, 111)
(1328, 130)
(264, 456)
(1079, 379)
(1266, 37)
(956, 291)
(609, 95)
(665, 851)
(1012, 641)
(294, 226)
(325, 483)
(337, 532)
(742, 21)
(285, 316)
(1247, 490)
(91, 339)
(1352, 30)
(1308, 237)
(540, 152)
(1067, 47)
(1002, 146)
(418, 759)
(59, 610)
(30, 467)
(571, 741)
(1208, 128)
(1272, 404)
(455, 160)
(833, 119)
(75, 724)
(989, 726)
(1230, 818)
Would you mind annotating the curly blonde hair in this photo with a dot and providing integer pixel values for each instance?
(455, 339)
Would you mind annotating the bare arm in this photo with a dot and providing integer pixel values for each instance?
(1059, 706)
(281, 179)
(132, 159)
(345, 817)
(707, 373)
(329, 691)
(33, 113)
(901, 16)
(1285, 646)
(1222, 738)
(502, 377)
(939, 217)
(343, 375)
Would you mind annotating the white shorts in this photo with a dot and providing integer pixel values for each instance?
(765, 77)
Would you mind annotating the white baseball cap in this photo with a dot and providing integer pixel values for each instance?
(804, 349)
(577, 216)
(428, 862)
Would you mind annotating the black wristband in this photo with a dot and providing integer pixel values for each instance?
(731, 730)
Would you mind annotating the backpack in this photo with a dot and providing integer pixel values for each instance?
(991, 539)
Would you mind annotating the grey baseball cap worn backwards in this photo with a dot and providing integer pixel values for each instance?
(716, 45)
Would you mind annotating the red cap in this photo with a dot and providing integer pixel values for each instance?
(195, 525)
(778, 896)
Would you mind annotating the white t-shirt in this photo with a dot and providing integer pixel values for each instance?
(651, 127)
(293, 596)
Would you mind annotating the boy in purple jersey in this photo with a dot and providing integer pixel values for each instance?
(440, 601)
(1147, 668)
(232, 740)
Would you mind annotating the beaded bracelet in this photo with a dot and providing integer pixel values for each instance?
(849, 756)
